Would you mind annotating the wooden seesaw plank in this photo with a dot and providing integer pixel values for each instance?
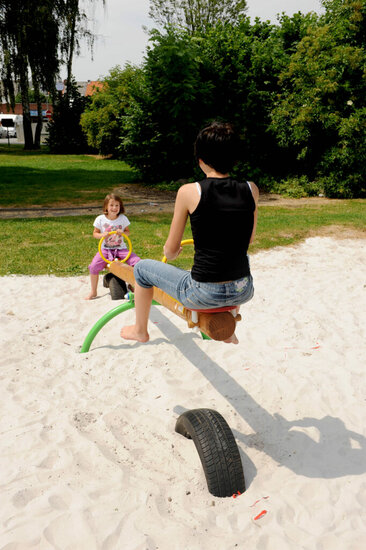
(218, 326)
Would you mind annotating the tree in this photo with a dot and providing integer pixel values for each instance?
(196, 15)
(36, 36)
(321, 110)
(73, 30)
(31, 95)
(230, 72)
(14, 24)
(166, 106)
(101, 120)
(65, 134)
(43, 62)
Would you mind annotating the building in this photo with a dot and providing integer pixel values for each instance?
(85, 88)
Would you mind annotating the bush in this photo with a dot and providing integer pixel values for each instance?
(166, 108)
(101, 120)
(297, 187)
(65, 132)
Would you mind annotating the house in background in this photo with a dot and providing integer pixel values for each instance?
(89, 87)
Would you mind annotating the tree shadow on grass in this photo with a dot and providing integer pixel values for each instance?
(26, 186)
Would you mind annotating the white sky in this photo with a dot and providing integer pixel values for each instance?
(121, 37)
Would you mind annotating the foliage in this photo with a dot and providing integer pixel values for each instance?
(230, 72)
(242, 63)
(101, 120)
(196, 15)
(298, 187)
(31, 96)
(65, 134)
(320, 112)
(73, 29)
(28, 40)
(167, 104)
(36, 36)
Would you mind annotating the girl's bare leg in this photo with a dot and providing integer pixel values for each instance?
(94, 285)
(138, 331)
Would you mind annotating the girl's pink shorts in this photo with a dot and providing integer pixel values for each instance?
(98, 264)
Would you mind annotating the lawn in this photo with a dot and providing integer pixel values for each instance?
(38, 178)
(65, 246)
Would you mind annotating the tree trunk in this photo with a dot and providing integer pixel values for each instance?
(37, 137)
(70, 57)
(24, 90)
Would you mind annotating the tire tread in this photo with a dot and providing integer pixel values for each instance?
(217, 450)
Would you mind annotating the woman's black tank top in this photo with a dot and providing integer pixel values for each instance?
(222, 225)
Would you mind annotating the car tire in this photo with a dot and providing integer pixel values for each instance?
(117, 288)
(217, 450)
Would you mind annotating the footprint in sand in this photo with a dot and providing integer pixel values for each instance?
(24, 496)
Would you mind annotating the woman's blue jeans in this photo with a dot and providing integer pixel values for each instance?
(179, 284)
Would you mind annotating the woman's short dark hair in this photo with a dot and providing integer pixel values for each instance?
(217, 145)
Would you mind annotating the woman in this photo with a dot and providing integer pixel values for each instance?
(223, 215)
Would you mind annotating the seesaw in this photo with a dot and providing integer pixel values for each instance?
(216, 324)
(211, 434)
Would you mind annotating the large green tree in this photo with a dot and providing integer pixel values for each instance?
(196, 15)
(36, 36)
(72, 31)
(229, 72)
(321, 110)
(166, 104)
(101, 120)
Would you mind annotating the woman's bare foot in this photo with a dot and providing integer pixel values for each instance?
(131, 333)
(91, 296)
(232, 340)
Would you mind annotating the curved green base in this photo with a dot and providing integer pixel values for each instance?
(110, 315)
(106, 318)
(103, 321)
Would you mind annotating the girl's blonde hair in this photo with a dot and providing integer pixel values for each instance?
(114, 197)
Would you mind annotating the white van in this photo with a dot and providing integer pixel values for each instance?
(9, 123)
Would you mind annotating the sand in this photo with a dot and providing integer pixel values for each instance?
(89, 458)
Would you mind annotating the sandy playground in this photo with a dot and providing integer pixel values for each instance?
(89, 459)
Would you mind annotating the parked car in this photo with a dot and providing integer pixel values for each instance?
(11, 130)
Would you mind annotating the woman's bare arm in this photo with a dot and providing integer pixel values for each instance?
(186, 201)
(255, 192)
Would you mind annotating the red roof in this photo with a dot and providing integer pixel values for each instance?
(92, 86)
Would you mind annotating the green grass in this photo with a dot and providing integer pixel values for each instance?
(282, 226)
(37, 178)
(65, 246)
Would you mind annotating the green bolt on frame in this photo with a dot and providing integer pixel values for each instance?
(106, 318)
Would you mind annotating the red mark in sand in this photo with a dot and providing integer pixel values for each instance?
(256, 502)
(261, 514)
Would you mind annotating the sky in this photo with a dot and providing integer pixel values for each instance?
(121, 37)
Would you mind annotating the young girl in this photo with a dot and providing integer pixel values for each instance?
(113, 246)
(223, 215)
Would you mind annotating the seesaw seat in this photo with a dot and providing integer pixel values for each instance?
(216, 324)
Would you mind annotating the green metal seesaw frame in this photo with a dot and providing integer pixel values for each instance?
(109, 316)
